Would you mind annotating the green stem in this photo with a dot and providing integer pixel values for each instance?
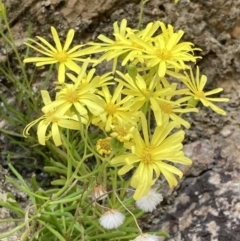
(143, 2)
(10, 40)
(135, 220)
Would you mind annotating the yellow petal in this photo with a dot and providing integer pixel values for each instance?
(41, 131)
(56, 134)
(56, 39)
(125, 169)
(46, 97)
(61, 73)
(69, 39)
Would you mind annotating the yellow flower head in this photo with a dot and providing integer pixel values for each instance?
(196, 85)
(122, 131)
(149, 156)
(56, 118)
(116, 109)
(173, 109)
(80, 95)
(165, 51)
(142, 89)
(104, 147)
(59, 54)
(123, 46)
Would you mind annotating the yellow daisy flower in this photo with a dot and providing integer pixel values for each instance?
(149, 156)
(116, 109)
(165, 51)
(59, 54)
(173, 109)
(122, 131)
(56, 118)
(79, 95)
(196, 85)
(141, 89)
(103, 146)
(122, 45)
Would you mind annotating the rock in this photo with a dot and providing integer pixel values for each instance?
(208, 208)
(202, 154)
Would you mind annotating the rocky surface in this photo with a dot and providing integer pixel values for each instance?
(206, 205)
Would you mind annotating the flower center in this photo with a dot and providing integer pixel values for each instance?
(200, 94)
(122, 131)
(165, 107)
(50, 117)
(50, 113)
(110, 108)
(123, 134)
(103, 146)
(163, 54)
(61, 57)
(55, 119)
(147, 155)
(72, 96)
(146, 92)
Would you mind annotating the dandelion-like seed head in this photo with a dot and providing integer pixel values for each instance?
(112, 219)
(149, 202)
(163, 54)
(61, 57)
(104, 147)
(146, 237)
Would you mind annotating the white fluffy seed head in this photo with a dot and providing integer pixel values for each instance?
(146, 237)
(112, 219)
(149, 202)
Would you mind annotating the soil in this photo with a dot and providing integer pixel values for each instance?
(206, 204)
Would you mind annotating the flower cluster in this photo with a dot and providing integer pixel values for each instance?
(139, 112)
(153, 51)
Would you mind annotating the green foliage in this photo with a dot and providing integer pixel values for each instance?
(17, 97)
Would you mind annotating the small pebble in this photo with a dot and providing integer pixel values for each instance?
(225, 132)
